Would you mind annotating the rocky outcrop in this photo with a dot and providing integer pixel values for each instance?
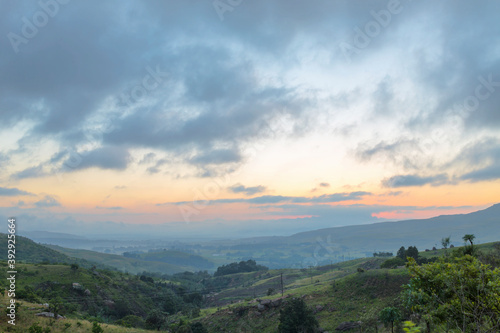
(49, 315)
(348, 325)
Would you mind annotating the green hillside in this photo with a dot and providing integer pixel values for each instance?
(28, 251)
(124, 264)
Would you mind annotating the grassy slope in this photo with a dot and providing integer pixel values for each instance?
(342, 294)
(26, 317)
(103, 285)
(30, 252)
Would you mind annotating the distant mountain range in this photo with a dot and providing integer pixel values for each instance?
(389, 236)
(303, 249)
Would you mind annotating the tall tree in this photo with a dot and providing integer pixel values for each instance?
(401, 253)
(469, 238)
(390, 315)
(412, 252)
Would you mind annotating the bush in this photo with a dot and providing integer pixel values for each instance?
(96, 328)
(393, 263)
(131, 321)
(198, 328)
(35, 328)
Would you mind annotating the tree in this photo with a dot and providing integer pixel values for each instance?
(155, 319)
(445, 242)
(412, 252)
(389, 315)
(297, 317)
(401, 253)
(469, 238)
(462, 293)
(56, 306)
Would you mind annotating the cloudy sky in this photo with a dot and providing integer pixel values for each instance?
(252, 116)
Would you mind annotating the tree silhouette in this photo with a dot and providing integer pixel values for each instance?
(469, 238)
(445, 242)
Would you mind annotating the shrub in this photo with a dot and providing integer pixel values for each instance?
(96, 328)
(393, 263)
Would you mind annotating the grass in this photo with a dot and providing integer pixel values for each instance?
(25, 317)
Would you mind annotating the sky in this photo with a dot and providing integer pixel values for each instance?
(241, 118)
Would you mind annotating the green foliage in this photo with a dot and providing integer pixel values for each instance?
(411, 327)
(270, 291)
(469, 238)
(383, 254)
(96, 328)
(463, 293)
(390, 315)
(198, 328)
(67, 326)
(131, 321)
(297, 317)
(56, 306)
(28, 294)
(241, 267)
(35, 328)
(393, 263)
(412, 252)
(155, 319)
(401, 253)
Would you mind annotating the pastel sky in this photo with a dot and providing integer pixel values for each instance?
(242, 118)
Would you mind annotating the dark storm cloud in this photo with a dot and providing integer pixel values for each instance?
(251, 190)
(211, 89)
(12, 192)
(415, 180)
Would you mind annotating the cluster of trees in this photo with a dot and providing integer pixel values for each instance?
(241, 267)
(383, 254)
(402, 257)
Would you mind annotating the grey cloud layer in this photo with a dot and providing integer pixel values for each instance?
(275, 199)
(209, 94)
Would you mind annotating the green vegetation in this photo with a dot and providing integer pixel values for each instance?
(124, 264)
(454, 293)
(389, 316)
(461, 293)
(297, 317)
(241, 267)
